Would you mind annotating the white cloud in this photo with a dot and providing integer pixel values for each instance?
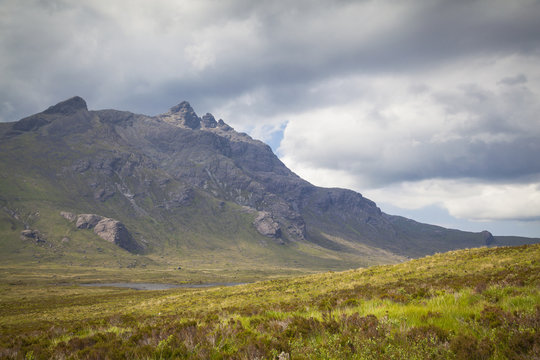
(466, 198)
(422, 126)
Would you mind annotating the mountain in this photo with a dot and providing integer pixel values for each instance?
(114, 188)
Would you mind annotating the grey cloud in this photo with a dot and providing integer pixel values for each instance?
(513, 80)
(301, 43)
(515, 162)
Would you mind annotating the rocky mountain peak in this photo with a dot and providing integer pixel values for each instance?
(185, 112)
(209, 121)
(68, 107)
(183, 107)
(223, 125)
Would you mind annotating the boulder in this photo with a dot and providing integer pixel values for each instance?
(87, 221)
(68, 216)
(115, 232)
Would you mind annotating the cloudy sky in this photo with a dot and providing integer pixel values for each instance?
(430, 108)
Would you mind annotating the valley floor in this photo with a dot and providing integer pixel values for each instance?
(468, 304)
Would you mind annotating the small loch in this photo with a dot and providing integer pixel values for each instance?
(157, 286)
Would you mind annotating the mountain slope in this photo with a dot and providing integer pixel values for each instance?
(188, 189)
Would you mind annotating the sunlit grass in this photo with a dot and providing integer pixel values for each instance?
(481, 303)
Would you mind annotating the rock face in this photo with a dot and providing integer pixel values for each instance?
(185, 112)
(208, 121)
(266, 226)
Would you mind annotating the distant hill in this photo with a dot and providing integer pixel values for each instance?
(179, 188)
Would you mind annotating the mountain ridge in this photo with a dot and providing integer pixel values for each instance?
(188, 185)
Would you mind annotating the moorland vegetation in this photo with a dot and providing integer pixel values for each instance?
(467, 304)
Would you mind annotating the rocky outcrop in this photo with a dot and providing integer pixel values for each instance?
(223, 126)
(68, 215)
(265, 225)
(33, 235)
(208, 121)
(115, 232)
(178, 199)
(108, 229)
(186, 114)
(87, 221)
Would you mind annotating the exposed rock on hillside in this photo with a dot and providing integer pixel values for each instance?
(87, 221)
(184, 114)
(114, 231)
(208, 121)
(108, 229)
(68, 215)
(34, 235)
(266, 226)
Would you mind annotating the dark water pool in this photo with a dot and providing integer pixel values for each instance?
(154, 286)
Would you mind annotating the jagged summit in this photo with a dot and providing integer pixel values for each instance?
(183, 107)
(184, 115)
(209, 121)
(68, 107)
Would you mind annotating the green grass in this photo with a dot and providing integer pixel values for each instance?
(468, 304)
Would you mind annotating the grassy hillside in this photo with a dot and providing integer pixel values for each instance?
(467, 304)
(80, 166)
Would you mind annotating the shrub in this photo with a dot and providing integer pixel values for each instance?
(494, 317)
(523, 345)
(430, 332)
(469, 348)
(367, 326)
(303, 327)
